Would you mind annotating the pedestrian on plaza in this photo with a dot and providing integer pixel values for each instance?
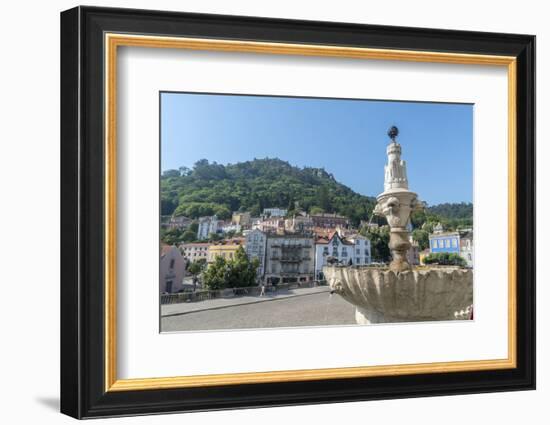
(262, 289)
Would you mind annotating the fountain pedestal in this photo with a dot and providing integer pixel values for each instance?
(396, 204)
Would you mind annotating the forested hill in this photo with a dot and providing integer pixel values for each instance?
(211, 188)
(453, 211)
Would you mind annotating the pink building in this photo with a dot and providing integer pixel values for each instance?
(172, 269)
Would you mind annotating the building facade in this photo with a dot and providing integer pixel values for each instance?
(243, 219)
(275, 212)
(207, 225)
(195, 251)
(225, 249)
(289, 258)
(445, 242)
(227, 227)
(176, 222)
(270, 225)
(467, 247)
(255, 247)
(355, 250)
(299, 224)
(413, 254)
(460, 242)
(171, 270)
(329, 221)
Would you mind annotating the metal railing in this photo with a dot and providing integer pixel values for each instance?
(204, 295)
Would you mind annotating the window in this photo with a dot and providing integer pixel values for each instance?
(447, 243)
(172, 262)
(358, 260)
(358, 251)
(367, 253)
(335, 252)
(455, 243)
(440, 243)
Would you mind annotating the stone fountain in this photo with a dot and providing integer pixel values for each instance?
(401, 293)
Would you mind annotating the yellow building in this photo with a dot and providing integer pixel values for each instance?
(242, 219)
(225, 249)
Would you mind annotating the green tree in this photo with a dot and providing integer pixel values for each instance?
(171, 236)
(422, 237)
(189, 236)
(184, 171)
(379, 240)
(235, 273)
(315, 210)
(323, 197)
(170, 173)
(242, 271)
(215, 276)
(197, 267)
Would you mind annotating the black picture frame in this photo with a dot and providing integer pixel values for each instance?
(83, 392)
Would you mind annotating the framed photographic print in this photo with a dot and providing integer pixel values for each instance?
(261, 212)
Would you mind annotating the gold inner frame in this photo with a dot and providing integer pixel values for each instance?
(113, 41)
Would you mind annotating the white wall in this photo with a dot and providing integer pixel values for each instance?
(29, 172)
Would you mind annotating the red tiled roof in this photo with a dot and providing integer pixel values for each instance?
(164, 248)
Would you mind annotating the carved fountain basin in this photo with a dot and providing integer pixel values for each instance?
(381, 295)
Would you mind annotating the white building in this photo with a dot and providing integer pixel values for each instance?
(270, 224)
(275, 212)
(230, 227)
(255, 248)
(195, 251)
(177, 222)
(171, 270)
(207, 225)
(467, 246)
(299, 223)
(356, 248)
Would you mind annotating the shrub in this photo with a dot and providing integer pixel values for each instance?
(445, 259)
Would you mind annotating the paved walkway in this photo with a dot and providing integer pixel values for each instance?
(312, 309)
(168, 310)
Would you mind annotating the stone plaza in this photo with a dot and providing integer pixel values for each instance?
(288, 308)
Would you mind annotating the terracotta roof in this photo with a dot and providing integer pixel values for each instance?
(323, 240)
(236, 241)
(185, 245)
(164, 248)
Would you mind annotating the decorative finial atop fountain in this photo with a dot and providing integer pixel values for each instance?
(396, 203)
(395, 173)
(393, 132)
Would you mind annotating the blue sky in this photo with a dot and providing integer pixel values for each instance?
(346, 137)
